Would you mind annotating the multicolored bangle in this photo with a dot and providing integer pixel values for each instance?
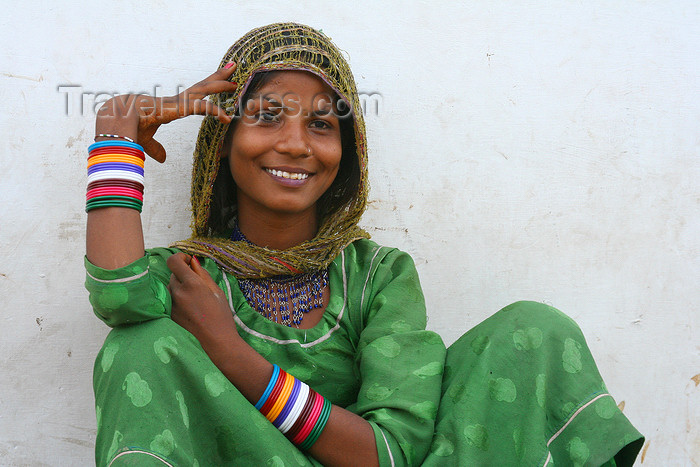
(128, 151)
(294, 413)
(116, 182)
(270, 385)
(320, 424)
(115, 175)
(104, 135)
(303, 434)
(115, 158)
(298, 411)
(285, 390)
(120, 144)
(284, 413)
(301, 420)
(107, 174)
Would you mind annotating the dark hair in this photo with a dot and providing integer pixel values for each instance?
(222, 208)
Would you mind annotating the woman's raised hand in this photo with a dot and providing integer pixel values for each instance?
(140, 116)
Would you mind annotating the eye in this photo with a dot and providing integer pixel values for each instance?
(267, 116)
(320, 125)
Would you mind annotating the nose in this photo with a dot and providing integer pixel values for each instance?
(293, 139)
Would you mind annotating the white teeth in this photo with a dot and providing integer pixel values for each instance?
(291, 176)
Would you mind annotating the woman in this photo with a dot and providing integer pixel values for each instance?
(278, 334)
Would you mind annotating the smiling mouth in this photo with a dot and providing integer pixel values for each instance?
(288, 175)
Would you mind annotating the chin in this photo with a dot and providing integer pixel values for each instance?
(283, 207)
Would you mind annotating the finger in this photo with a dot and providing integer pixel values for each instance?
(230, 66)
(154, 149)
(204, 274)
(173, 282)
(179, 266)
(206, 88)
(198, 269)
(203, 107)
(217, 82)
(195, 265)
(222, 73)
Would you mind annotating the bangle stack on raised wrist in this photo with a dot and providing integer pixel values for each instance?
(115, 174)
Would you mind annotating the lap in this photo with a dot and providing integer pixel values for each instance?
(158, 396)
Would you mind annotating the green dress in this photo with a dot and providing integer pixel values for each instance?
(519, 389)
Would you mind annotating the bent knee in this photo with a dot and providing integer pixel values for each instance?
(156, 340)
(535, 314)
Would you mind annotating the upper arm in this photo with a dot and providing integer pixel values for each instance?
(132, 293)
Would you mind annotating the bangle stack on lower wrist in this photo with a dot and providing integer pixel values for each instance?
(298, 411)
(115, 175)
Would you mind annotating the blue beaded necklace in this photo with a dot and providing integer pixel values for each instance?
(283, 299)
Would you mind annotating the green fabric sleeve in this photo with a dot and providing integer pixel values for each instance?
(400, 364)
(131, 294)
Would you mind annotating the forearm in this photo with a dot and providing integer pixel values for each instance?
(347, 439)
(114, 236)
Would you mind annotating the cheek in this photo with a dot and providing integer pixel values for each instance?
(333, 155)
(238, 172)
(237, 168)
(333, 167)
(242, 153)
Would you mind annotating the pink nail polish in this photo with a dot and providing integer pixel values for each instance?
(228, 65)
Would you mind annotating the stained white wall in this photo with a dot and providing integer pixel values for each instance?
(545, 151)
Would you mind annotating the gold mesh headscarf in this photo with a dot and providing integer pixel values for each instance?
(282, 46)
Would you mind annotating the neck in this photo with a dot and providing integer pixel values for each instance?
(278, 231)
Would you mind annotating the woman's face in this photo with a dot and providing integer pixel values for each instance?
(286, 149)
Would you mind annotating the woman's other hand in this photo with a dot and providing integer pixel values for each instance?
(200, 306)
(140, 116)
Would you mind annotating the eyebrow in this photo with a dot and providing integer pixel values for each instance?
(327, 108)
(271, 100)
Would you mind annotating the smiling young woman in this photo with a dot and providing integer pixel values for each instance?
(284, 154)
(278, 333)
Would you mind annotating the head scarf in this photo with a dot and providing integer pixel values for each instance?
(281, 46)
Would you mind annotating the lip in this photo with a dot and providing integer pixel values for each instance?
(289, 182)
(286, 168)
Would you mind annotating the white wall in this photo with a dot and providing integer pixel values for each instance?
(545, 151)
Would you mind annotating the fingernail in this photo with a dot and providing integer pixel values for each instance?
(228, 65)
(194, 258)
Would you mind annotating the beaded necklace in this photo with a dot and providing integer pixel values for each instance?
(283, 299)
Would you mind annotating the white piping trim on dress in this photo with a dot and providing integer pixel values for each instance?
(123, 279)
(139, 452)
(369, 273)
(391, 456)
(294, 341)
(571, 419)
(228, 292)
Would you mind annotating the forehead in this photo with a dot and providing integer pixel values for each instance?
(303, 84)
